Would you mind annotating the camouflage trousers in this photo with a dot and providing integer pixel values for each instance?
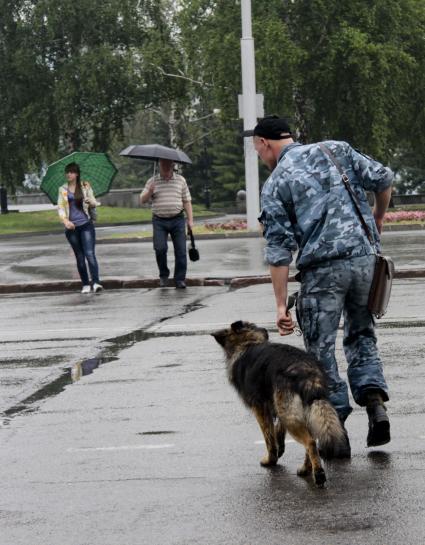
(341, 287)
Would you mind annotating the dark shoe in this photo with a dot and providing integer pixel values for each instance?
(379, 426)
(163, 282)
(180, 284)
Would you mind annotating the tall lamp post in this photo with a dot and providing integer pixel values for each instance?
(3, 200)
(249, 107)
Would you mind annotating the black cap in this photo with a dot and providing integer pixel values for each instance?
(271, 127)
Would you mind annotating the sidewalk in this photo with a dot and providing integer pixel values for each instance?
(46, 262)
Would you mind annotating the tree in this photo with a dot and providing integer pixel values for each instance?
(75, 72)
(83, 74)
(27, 128)
(345, 70)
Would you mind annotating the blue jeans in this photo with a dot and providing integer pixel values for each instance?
(342, 287)
(176, 227)
(82, 240)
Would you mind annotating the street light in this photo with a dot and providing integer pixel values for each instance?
(3, 200)
(249, 107)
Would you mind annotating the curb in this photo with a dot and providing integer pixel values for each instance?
(108, 283)
(236, 282)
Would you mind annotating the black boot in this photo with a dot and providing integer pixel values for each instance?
(379, 423)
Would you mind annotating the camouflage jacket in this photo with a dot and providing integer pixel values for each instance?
(306, 207)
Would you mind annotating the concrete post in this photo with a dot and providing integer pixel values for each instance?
(249, 116)
(3, 200)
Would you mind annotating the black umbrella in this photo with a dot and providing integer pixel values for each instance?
(153, 152)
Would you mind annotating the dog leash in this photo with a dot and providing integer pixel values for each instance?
(292, 302)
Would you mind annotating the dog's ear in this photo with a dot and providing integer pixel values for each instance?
(266, 333)
(219, 336)
(237, 326)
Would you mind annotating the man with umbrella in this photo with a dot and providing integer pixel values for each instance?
(170, 196)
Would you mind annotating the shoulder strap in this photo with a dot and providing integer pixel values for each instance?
(348, 187)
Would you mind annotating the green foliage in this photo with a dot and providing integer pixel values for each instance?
(100, 75)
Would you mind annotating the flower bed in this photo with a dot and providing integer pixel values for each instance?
(234, 225)
(402, 216)
(405, 215)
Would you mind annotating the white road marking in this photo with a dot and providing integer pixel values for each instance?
(122, 447)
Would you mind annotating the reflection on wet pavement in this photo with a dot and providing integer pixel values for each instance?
(16, 363)
(86, 367)
(89, 365)
(49, 390)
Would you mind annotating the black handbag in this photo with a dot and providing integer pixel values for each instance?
(193, 251)
(383, 275)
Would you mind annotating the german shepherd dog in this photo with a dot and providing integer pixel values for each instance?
(283, 384)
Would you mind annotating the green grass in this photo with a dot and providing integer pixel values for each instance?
(35, 222)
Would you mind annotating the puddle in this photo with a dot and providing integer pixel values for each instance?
(88, 366)
(119, 343)
(49, 390)
(55, 339)
(23, 363)
(70, 375)
(156, 432)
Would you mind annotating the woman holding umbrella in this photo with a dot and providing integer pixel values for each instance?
(75, 200)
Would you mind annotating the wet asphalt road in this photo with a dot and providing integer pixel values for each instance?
(144, 442)
(118, 425)
(43, 336)
(49, 257)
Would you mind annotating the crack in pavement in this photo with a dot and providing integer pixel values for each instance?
(87, 366)
(121, 342)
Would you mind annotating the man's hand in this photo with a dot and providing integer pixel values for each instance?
(190, 224)
(381, 205)
(147, 194)
(284, 322)
(151, 190)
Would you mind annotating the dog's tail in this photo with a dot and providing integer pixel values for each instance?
(325, 426)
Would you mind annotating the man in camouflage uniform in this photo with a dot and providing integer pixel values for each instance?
(306, 207)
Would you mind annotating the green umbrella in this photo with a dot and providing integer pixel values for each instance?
(96, 168)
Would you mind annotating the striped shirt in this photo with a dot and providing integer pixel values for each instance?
(169, 195)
